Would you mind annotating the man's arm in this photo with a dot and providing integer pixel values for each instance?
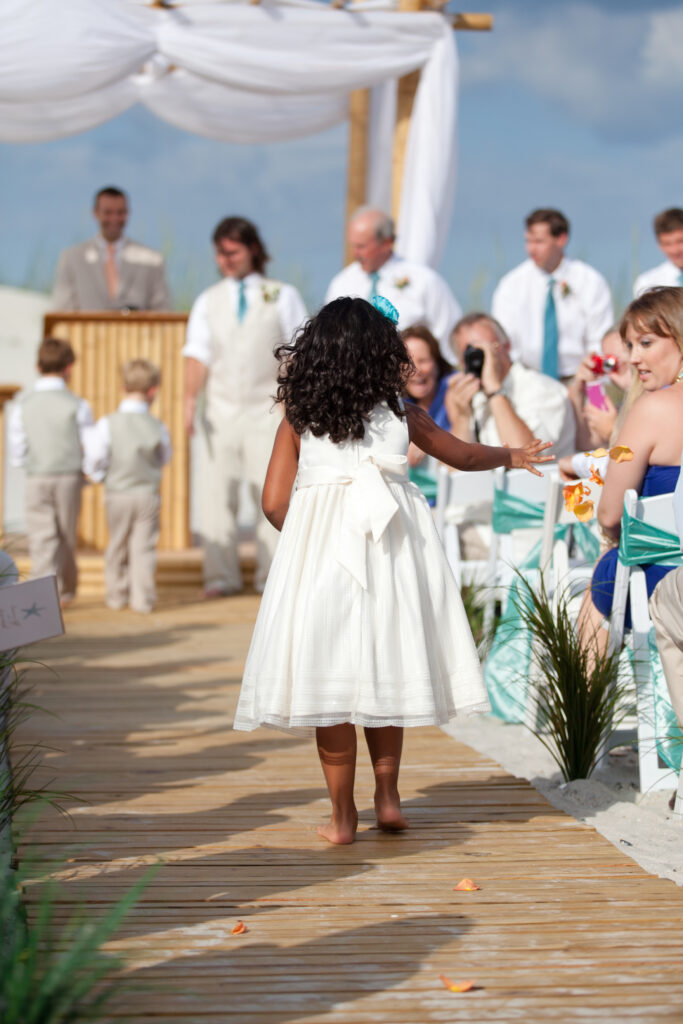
(599, 312)
(64, 290)
(197, 353)
(17, 442)
(291, 310)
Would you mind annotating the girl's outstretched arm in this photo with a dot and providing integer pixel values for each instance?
(281, 474)
(460, 455)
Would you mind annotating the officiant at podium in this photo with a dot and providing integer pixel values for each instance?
(109, 271)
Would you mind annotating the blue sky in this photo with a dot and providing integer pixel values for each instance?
(575, 105)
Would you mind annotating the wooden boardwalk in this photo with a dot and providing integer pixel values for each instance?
(564, 928)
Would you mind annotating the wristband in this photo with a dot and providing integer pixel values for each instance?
(493, 394)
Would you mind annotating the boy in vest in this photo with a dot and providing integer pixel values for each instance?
(46, 431)
(127, 450)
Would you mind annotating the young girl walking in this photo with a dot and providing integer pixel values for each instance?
(361, 621)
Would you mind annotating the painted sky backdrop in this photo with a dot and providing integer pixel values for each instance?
(574, 105)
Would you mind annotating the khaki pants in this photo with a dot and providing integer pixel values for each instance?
(666, 611)
(130, 560)
(231, 451)
(52, 506)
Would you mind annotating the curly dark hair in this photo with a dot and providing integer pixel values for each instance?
(339, 366)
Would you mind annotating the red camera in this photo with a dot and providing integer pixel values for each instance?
(603, 364)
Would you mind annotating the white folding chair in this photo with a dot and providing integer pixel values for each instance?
(458, 492)
(630, 581)
(569, 577)
(502, 558)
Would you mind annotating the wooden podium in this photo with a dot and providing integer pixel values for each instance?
(102, 343)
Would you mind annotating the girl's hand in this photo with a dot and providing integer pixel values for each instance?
(524, 458)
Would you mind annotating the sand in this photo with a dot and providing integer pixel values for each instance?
(641, 825)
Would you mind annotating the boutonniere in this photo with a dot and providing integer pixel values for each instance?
(402, 282)
(565, 290)
(270, 292)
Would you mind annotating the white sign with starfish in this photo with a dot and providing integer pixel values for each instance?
(29, 612)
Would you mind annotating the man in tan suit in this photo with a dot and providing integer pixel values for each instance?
(232, 331)
(110, 271)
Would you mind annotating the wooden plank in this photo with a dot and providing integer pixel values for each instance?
(565, 927)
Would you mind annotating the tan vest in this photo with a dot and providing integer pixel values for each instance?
(243, 370)
(136, 452)
(50, 420)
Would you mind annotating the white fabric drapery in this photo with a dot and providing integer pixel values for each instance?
(242, 73)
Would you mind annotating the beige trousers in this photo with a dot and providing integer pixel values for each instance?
(130, 560)
(666, 611)
(230, 451)
(52, 506)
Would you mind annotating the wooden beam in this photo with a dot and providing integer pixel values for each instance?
(7, 393)
(357, 176)
(472, 22)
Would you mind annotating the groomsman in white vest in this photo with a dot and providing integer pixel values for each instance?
(233, 329)
(668, 227)
(555, 310)
(110, 271)
(420, 295)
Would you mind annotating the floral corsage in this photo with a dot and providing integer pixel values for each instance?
(270, 292)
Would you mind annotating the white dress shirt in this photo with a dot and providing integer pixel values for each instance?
(667, 273)
(583, 307)
(97, 441)
(540, 401)
(289, 304)
(420, 295)
(678, 503)
(17, 441)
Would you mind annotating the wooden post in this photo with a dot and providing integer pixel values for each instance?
(359, 113)
(7, 393)
(407, 87)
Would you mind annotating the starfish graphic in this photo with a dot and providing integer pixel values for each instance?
(33, 610)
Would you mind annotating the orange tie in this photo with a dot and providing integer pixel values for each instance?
(111, 272)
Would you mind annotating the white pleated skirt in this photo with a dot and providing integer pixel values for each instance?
(326, 650)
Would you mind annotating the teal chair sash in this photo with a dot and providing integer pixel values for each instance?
(507, 666)
(425, 481)
(643, 544)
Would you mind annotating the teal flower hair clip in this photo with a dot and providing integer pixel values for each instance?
(386, 308)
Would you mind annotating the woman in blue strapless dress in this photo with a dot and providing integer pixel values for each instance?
(652, 329)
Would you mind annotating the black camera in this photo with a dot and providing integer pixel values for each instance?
(473, 360)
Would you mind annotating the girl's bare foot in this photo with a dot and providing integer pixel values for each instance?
(388, 812)
(341, 830)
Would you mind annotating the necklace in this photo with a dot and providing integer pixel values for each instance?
(679, 378)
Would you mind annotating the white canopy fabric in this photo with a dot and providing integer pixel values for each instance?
(243, 73)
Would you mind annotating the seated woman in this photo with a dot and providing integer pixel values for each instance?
(596, 426)
(652, 329)
(427, 388)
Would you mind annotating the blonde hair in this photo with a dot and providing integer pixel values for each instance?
(657, 311)
(140, 375)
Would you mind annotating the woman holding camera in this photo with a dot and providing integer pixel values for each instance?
(597, 391)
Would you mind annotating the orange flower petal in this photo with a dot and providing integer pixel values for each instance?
(463, 986)
(240, 928)
(466, 885)
(620, 453)
(599, 453)
(584, 511)
(573, 493)
(595, 477)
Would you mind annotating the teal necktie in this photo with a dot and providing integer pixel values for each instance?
(550, 334)
(241, 302)
(374, 278)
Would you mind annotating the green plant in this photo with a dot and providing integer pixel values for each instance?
(580, 694)
(52, 974)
